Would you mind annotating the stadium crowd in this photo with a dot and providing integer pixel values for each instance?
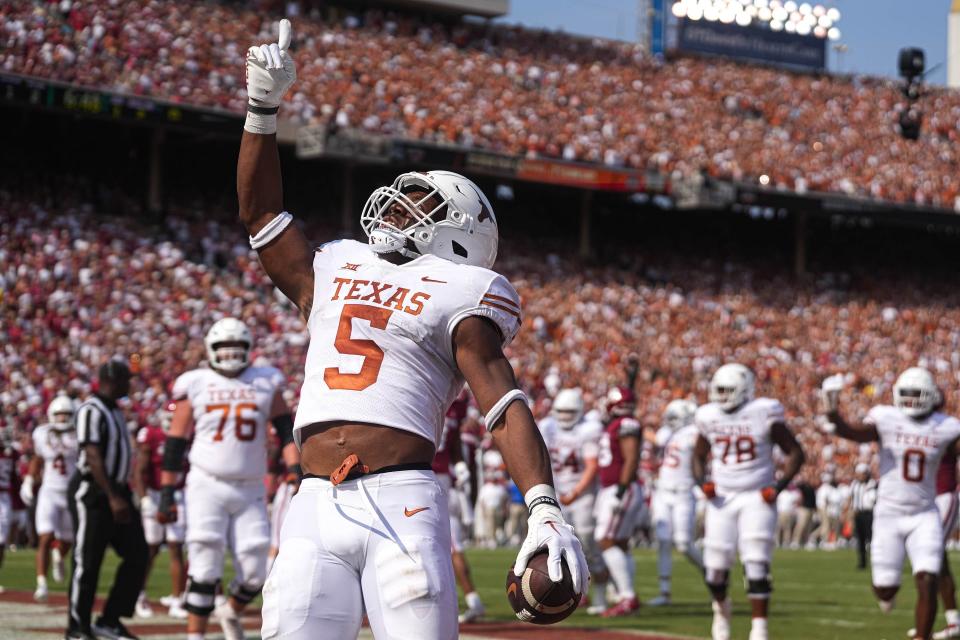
(508, 89)
(75, 292)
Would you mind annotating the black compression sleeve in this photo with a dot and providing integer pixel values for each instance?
(284, 428)
(174, 450)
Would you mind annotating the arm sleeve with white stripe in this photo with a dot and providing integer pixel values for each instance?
(89, 425)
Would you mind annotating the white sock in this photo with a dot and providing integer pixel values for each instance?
(665, 586)
(759, 624)
(620, 566)
(42, 582)
(664, 558)
(473, 600)
(599, 598)
(953, 617)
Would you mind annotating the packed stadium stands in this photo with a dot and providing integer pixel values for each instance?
(511, 90)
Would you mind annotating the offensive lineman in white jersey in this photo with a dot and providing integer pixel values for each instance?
(396, 326)
(739, 432)
(55, 445)
(674, 504)
(226, 408)
(913, 437)
(573, 440)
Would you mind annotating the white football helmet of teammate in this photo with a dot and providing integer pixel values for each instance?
(915, 392)
(61, 410)
(567, 408)
(228, 344)
(678, 414)
(459, 226)
(731, 386)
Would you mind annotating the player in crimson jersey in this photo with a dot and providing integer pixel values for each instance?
(8, 485)
(54, 461)
(147, 482)
(913, 438)
(947, 505)
(454, 476)
(739, 432)
(620, 498)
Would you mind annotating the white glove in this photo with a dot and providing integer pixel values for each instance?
(147, 505)
(26, 491)
(270, 73)
(546, 528)
(461, 475)
(830, 392)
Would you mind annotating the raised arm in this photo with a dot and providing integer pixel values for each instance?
(284, 251)
(479, 356)
(830, 400)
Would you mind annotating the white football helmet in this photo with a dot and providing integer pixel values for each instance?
(567, 408)
(461, 228)
(915, 393)
(228, 359)
(731, 386)
(61, 410)
(678, 414)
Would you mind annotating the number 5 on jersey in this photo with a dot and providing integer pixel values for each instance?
(349, 346)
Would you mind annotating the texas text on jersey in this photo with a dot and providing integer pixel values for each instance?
(740, 443)
(910, 453)
(230, 417)
(375, 325)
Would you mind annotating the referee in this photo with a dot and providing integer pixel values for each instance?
(863, 495)
(103, 512)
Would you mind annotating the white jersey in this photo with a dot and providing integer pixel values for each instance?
(57, 446)
(740, 443)
(910, 453)
(570, 448)
(230, 419)
(381, 336)
(676, 467)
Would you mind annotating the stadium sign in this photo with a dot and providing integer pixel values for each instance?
(752, 44)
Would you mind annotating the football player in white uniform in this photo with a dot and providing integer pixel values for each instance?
(913, 437)
(55, 446)
(739, 431)
(396, 326)
(226, 407)
(674, 504)
(573, 440)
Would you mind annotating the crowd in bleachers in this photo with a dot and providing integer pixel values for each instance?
(507, 89)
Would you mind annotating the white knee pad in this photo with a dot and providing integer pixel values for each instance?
(885, 576)
(206, 560)
(401, 576)
(251, 562)
(717, 555)
(756, 549)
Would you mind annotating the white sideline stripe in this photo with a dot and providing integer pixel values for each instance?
(78, 549)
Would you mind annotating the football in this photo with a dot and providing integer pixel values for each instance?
(537, 599)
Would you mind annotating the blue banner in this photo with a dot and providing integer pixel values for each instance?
(658, 24)
(752, 44)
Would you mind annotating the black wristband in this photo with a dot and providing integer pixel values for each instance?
(539, 500)
(295, 468)
(262, 111)
(622, 489)
(780, 485)
(167, 490)
(174, 449)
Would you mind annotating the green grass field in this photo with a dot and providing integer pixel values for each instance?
(817, 596)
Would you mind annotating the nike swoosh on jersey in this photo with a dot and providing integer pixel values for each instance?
(429, 279)
(413, 512)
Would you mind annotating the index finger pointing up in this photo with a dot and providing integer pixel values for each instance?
(285, 33)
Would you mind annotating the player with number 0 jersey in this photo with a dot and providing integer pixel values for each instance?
(913, 438)
(397, 324)
(225, 408)
(738, 433)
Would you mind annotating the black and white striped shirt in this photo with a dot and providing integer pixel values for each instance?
(863, 495)
(101, 422)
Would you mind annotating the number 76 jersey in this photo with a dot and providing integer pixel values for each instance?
(230, 419)
(910, 453)
(381, 336)
(741, 446)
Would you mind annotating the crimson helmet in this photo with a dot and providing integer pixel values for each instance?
(621, 401)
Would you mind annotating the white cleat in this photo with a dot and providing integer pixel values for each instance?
(472, 614)
(951, 631)
(758, 633)
(168, 600)
(229, 621)
(143, 609)
(886, 606)
(661, 600)
(596, 609)
(721, 620)
(57, 565)
(40, 595)
(176, 610)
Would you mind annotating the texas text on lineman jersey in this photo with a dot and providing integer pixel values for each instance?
(230, 419)
(741, 446)
(376, 326)
(910, 453)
